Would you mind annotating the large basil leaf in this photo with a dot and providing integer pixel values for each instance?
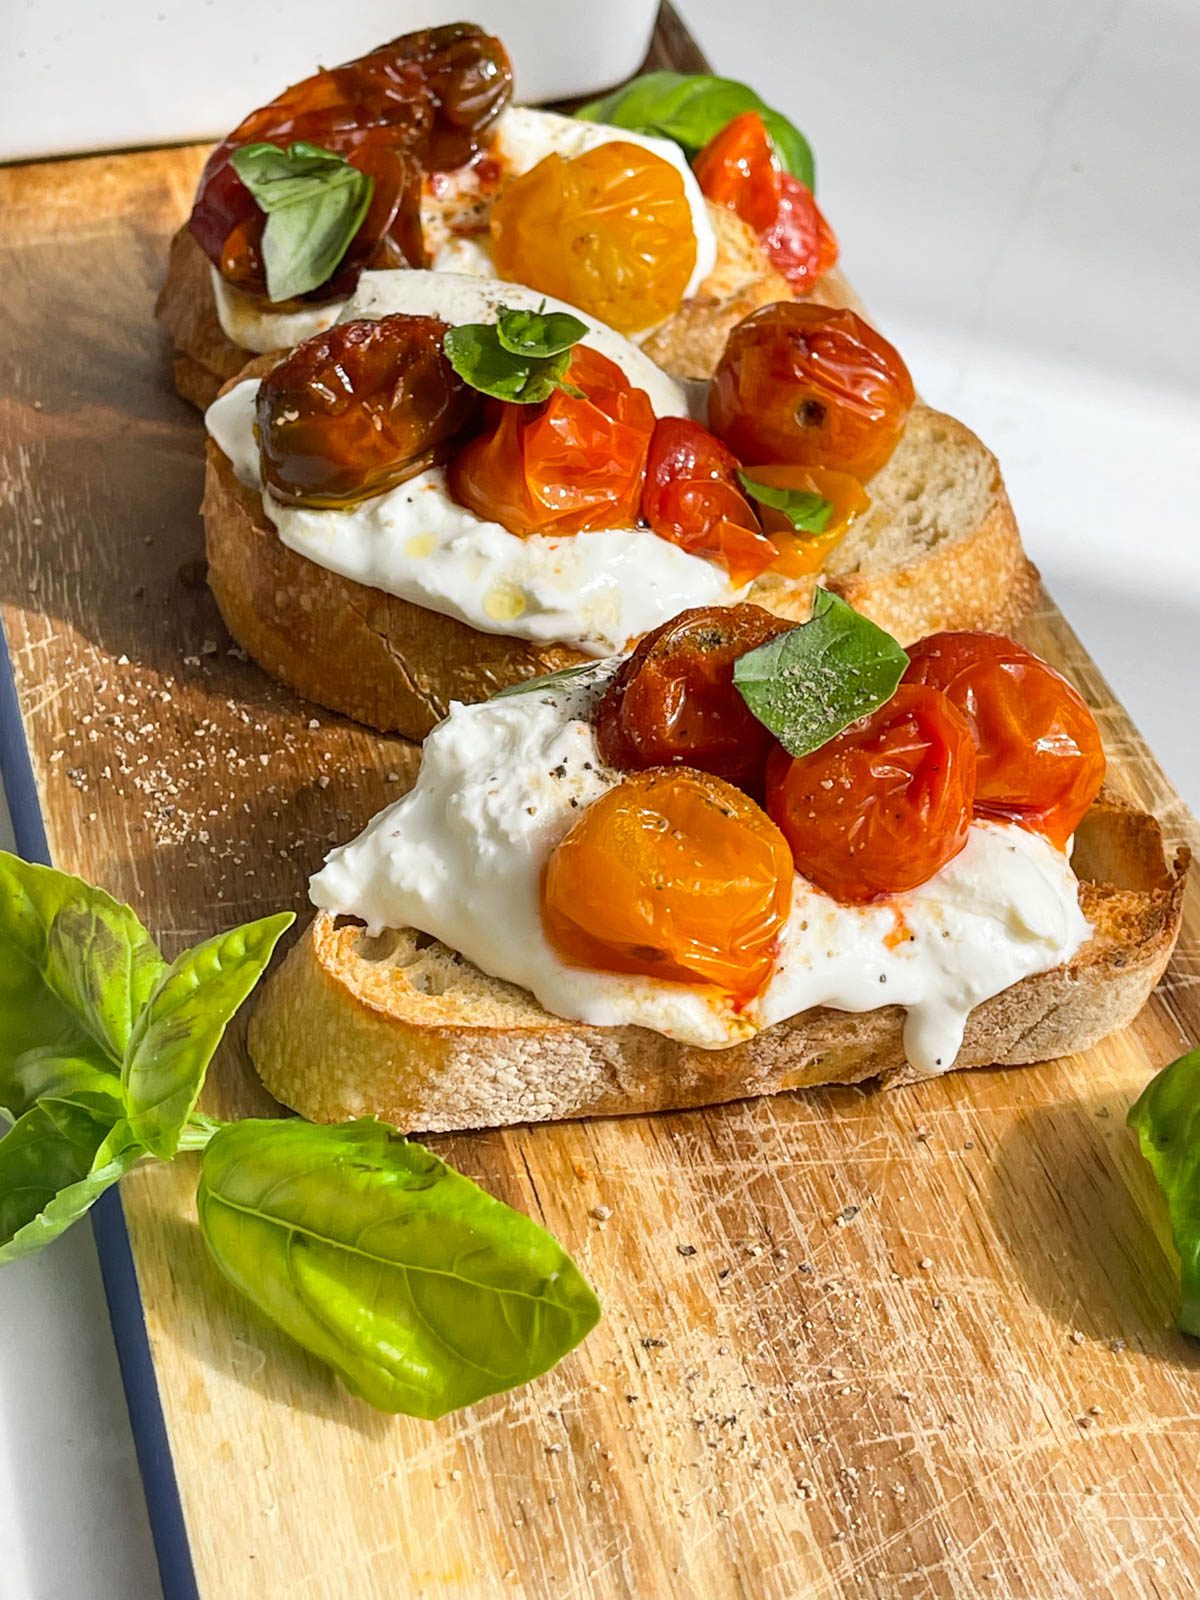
(183, 1022)
(314, 202)
(810, 683)
(420, 1290)
(55, 1162)
(76, 968)
(1166, 1118)
(693, 107)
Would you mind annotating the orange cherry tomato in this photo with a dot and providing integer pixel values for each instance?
(609, 231)
(565, 465)
(738, 168)
(354, 411)
(798, 554)
(812, 386)
(417, 104)
(1040, 759)
(798, 240)
(692, 499)
(885, 804)
(673, 701)
(673, 874)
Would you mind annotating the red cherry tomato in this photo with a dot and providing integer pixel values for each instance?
(565, 465)
(1040, 759)
(674, 875)
(885, 804)
(673, 701)
(812, 386)
(692, 498)
(798, 240)
(356, 410)
(418, 104)
(738, 168)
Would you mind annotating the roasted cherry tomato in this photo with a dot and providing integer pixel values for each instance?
(797, 554)
(811, 386)
(884, 804)
(692, 498)
(565, 465)
(1040, 760)
(419, 104)
(358, 409)
(800, 243)
(672, 874)
(609, 231)
(738, 168)
(673, 701)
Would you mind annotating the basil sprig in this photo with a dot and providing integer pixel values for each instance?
(420, 1290)
(314, 202)
(808, 684)
(806, 511)
(523, 356)
(691, 108)
(548, 682)
(1166, 1119)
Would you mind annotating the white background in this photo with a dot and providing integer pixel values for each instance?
(1015, 187)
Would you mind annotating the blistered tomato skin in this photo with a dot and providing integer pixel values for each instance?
(421, 103)
(811, 386)
(1039, 754)
(673, 702)
(737, 168)
(883, 805)
(672, 875)
(565, 465)
(692, 499)
(609, 231)
(359, 409)
(799, 242)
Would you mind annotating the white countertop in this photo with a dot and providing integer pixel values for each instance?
(1017, 198)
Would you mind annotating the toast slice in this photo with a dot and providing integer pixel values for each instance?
(401, 1027)
(939, 548)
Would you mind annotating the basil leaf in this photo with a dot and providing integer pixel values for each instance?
(76, 968)
(476, 353)
(55, 1162)
(807, 512)
(549, 680)
(538, 333)
(1166, 1118)
(182, 1025)
(421, 1291)
(691, 108)
(314, 202)
(810, 683)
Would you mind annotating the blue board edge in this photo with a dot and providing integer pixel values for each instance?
(171, 1549)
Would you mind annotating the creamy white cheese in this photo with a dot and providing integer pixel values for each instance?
(596, 591)
(254, 326)
(460, 857)
(455, 205)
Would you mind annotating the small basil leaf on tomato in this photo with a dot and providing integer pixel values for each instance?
(807, 512)
(691, 108)
(476, 353)
(548, 682)
(420, 1290)
(314, 202)
(1166, 1119)
(808, 684)
(538, 334)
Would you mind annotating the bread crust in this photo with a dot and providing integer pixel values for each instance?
(203, 358)
(404, 1029)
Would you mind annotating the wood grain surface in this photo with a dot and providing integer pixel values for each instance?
(915, 1344)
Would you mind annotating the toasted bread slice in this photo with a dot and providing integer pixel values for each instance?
(939, 548)
(401, 1027)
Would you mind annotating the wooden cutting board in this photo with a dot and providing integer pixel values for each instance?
(855, 1344)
